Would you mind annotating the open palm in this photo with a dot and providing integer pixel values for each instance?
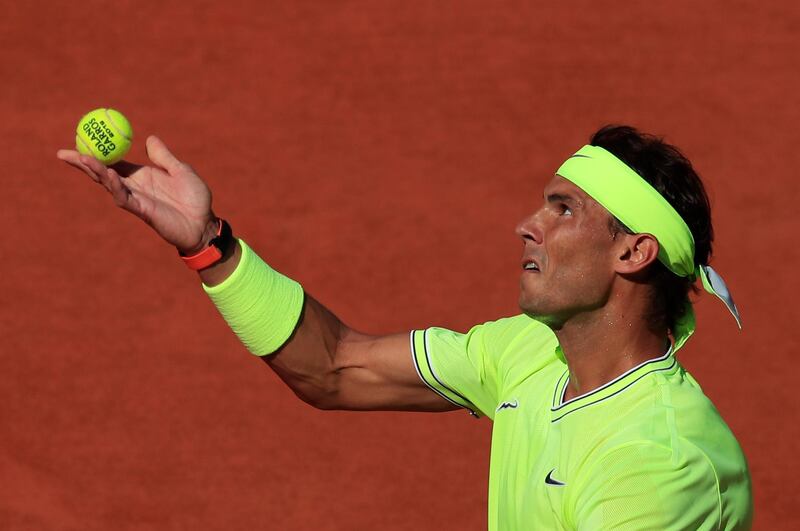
(169, 196)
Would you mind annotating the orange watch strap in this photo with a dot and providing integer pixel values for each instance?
(215, 250)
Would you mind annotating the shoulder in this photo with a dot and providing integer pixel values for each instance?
(505, 351)
(670, 414)
(499, 336)
(520, 346)
(667, 486)
(515, 332)
(689, 420)
(673, 453)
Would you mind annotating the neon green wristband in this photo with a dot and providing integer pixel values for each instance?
(260, 305)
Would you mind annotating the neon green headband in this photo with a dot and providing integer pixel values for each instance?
(640, 207)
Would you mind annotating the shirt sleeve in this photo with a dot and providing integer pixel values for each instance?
(465, 368)
(649, 486)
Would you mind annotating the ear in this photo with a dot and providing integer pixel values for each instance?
(635, 252)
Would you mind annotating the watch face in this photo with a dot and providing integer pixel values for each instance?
(225, 238)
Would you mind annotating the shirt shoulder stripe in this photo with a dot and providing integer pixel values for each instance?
(425, 370)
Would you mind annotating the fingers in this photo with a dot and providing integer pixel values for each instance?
(94, 165)
(108, 177)
(161, 156)
(75, 159)
(120, 192)
(125, 168)
(66, 154)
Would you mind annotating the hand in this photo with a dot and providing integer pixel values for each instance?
(169, 196)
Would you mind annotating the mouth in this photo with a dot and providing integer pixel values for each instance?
(529, 265)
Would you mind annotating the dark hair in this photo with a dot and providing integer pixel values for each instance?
(668, 171)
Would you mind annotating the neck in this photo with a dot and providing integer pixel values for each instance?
(604, 343)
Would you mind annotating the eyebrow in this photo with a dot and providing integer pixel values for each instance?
(560, 198)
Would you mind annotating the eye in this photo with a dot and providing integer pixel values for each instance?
(565, 210)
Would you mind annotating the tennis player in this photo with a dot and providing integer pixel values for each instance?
(596, 423)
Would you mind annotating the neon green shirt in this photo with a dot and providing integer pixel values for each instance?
(648, 450)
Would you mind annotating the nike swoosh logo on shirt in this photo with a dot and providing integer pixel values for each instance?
(550, 481)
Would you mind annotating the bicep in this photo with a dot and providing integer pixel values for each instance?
(378, 373)
(331, 366)
(428, 370)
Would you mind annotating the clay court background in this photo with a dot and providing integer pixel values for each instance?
(381, 153)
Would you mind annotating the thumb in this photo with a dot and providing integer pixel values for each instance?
(161, 156)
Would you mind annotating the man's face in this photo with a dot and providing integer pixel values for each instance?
(568, 255)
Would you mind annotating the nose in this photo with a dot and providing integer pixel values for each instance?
(530, 229)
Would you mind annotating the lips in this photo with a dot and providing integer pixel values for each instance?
(530, 265)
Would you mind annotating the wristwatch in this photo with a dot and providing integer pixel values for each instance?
(215, 250)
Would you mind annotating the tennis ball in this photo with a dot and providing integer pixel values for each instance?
(105, 134)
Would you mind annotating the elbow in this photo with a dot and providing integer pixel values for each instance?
(315, 376)
(325, 401)
(326, 404)
(321, 393)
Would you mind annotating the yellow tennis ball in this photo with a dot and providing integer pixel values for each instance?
(105, 134)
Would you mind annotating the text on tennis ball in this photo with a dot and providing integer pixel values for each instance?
(101, 135)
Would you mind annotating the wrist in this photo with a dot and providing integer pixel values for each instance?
(217, 273)
(209, 233)
(262, 306)
(218, 245)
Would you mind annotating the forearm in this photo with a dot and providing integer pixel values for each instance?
(307, 362)
(324, 362)
(304, 355)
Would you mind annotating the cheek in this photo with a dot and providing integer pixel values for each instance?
(581, 277)
(585, 261)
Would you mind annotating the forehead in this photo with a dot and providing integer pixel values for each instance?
(561, 187)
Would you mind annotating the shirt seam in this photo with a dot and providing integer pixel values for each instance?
(716, 482)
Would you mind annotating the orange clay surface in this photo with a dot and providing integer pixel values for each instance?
(381, 153)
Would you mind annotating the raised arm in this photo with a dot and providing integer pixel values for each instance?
(325, 363)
